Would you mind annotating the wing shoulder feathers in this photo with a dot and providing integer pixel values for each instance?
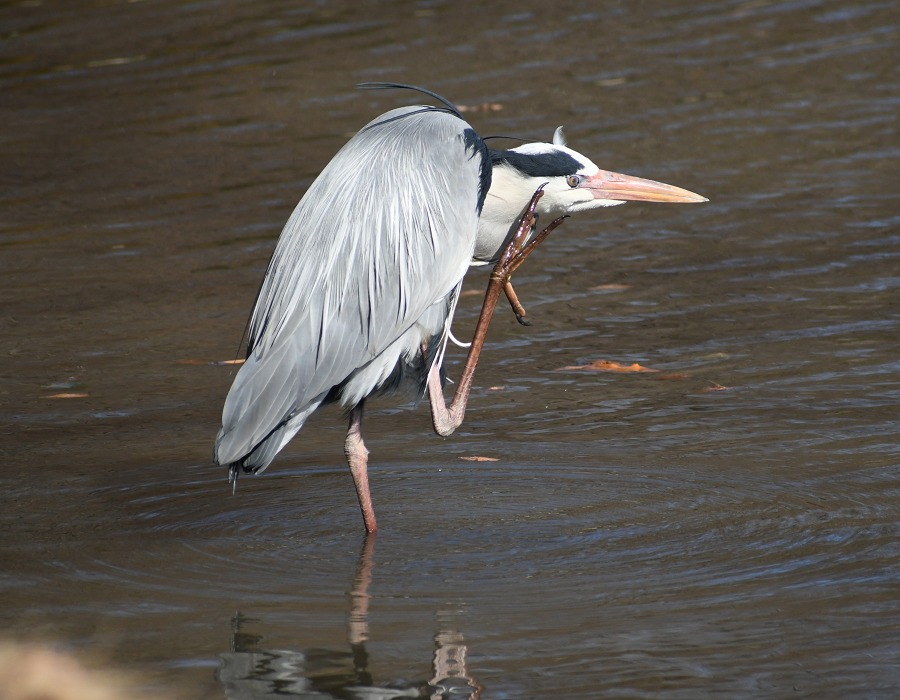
(385, 230)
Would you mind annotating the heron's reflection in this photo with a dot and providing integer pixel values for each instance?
(250, 673)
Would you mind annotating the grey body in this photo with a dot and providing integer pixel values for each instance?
(366, 271)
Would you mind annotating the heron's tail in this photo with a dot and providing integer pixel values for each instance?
(239, 451)
(258, 458)
(266, 406)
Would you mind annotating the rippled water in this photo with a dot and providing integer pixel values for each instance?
(726, 526)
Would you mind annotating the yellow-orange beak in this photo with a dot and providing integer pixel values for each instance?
(618, 187)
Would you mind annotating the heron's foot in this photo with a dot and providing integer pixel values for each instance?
(519, 248)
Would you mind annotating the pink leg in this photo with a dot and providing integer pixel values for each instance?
(358, 459)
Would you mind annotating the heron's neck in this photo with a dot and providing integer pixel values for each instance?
(509, 193)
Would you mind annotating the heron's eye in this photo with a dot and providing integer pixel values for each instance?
(573, 180)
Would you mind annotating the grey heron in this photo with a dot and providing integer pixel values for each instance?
(361, 289)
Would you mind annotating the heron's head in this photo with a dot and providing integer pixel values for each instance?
(573, 182)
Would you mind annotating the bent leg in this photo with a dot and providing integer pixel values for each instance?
(447, 419)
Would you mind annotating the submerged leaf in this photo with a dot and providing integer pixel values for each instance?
(483, 107)
(210, 362)
(715, 387)
(673, 375)
(610, 366)
(611, 287)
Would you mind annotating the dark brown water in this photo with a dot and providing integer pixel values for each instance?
(638, 535)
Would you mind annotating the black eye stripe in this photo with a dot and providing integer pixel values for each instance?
(550, 164)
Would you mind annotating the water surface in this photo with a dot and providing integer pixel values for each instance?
(724, 527)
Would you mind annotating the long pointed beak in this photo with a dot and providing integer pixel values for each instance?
(618, 187)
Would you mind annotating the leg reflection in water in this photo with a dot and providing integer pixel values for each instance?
(451, 677)
(249, 672)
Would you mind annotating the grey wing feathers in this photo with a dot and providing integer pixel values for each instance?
(386, 231)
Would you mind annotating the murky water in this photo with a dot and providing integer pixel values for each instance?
(724, 527)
